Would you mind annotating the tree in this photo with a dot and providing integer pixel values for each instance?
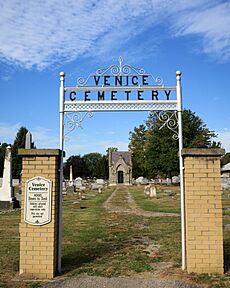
(19, 142)
(195, 132)
(225, 159)
(113, 149)
(78, 166)
(137, 147)
(95, 164)
(160, 150)
(90, 165)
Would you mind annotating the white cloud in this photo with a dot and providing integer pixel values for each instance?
(8, 132)
(39, 34)
(43, 138)
(224, 138)
(83, 147)
(211, 22)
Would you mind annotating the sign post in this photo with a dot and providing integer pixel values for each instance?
(61, 147)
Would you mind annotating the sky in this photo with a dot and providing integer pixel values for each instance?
(39, 39)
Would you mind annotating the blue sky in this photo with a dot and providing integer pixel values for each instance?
(41, 38)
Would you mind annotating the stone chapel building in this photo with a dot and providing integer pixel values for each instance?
(120, 168)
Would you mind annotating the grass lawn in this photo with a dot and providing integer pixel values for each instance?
(163, 203)
(108, 244)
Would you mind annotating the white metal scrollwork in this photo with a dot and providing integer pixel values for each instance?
(74, 121)
(169, 120)
(120, 70)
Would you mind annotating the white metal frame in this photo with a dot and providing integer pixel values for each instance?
(122, 105)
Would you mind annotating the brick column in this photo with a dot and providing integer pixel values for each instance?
(39, 243)
(203, 210)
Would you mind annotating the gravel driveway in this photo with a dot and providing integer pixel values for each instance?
(84, 281)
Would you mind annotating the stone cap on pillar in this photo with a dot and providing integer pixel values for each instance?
(210, 152)
(40, 152)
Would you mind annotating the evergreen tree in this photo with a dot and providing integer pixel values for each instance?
(19, 142)
(161, 149)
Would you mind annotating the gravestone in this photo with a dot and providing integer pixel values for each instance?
(6, 191)
(150, 191)
(153, 191)
(71, 175)
(78, 184)
(141, 181)
(175, 179)
(100, 183)
(64, 190)
(168, 181)
(28, 140)
(147, 190)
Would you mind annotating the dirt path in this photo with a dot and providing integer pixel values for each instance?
(121, 201)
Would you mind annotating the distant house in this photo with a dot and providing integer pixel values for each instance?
(120, 168)
(225, 176)
(225, 170)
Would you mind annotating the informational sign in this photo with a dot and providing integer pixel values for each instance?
(38, 201)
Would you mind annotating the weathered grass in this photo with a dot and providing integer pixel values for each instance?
(162, 203)
(108, 244)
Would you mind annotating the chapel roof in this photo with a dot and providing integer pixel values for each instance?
(124, 154)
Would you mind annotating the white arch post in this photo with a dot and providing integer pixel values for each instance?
(124, 79)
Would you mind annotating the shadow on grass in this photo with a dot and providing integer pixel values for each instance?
(227, 255)
(81, 256)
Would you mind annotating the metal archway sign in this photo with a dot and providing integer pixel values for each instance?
(121, 87)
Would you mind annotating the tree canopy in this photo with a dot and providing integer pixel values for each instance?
(225, 159)
(154, 148)
(89, 165)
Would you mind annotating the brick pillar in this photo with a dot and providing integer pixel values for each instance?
(203, 210)
(39, 243)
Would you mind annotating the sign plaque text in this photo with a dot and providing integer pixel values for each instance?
(38, 201)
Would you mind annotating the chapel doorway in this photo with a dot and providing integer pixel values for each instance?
(120, 176)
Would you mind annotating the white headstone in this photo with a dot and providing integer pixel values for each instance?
(71, 173)
(147, 190)
(153, 191)
(175, 179)
(6, 189)
(100, 181)
(142, 180)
